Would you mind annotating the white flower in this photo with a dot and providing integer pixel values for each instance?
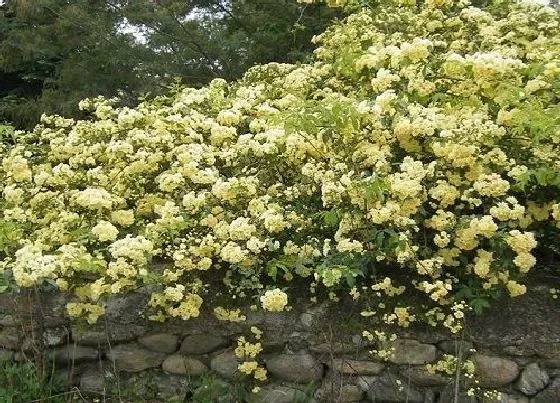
(274, 300)
(105, 231)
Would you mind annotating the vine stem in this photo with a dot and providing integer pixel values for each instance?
(458, 370)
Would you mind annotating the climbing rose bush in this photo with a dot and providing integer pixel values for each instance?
(416, 155)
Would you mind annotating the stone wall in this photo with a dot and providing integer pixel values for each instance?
(312, 353)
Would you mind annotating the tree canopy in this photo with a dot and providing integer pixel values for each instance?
(54, 53)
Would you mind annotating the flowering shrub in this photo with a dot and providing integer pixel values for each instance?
(417, 154)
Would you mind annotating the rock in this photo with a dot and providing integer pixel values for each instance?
(354, 367)
(430, 396)
(8, 320)
(350, 393)
(532, 318)
(225, 364)
(52, 337)
(519, 350)
(101, 335)
(9, 339)
(389, 388)
(170, 387)
(75, 353)
(306, 319)
(160, 342)
(340, 394)
(507, 398)
(494, 372)
(134, 358)
(549, 395)
(408, 351)
(296, 342)
(6, 355)
(300, 368)
(313, 315)
(93, 380)
(334, 348)
(277, 394)
(202, 344)
(69, 376)
(272, 321)
(274, 342)
(550, 352)
(125, 308)
(420, 376)
(448, 395)
(55, 336)
(179, 364)
(532, 380)
(159, 386)
(453, 346)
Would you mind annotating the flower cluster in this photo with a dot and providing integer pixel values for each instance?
(248, 352)
(274, 300)
(416, 153)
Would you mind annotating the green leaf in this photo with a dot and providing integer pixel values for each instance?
(478, 305)
(331, 218)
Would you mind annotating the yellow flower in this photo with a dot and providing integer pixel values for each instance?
(105, 231)
(274, 300)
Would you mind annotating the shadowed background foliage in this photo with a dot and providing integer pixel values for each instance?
(54, 53)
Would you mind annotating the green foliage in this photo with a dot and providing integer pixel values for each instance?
(20, 382)
(417, 152)
(54, 53)
(210, 388)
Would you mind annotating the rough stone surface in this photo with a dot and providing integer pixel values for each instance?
(296, 342)
(453, 346)
(306, 319)
(55, 336)
(355, 367)
(179, 364)
(350, 393)
(202, 343)
(508, 398)
(518, 343)
(112, 333)
(334, 348)
(407, 351)
(134, 358)
(309, 318)
(9, 339)
(74, 353)
(6, 355)
(548, 350)
(125, 308)
(170, 386)
(494, 372)
(93, 380)
(160, 342)
(550, 395)
(532, 380)
(225, 364)
(420, 376)
(272, 320)
(335, 392)
(277, 394)
(533, 317)
(389, 388)
(301, 368)
(448, 395)
(8, 320)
